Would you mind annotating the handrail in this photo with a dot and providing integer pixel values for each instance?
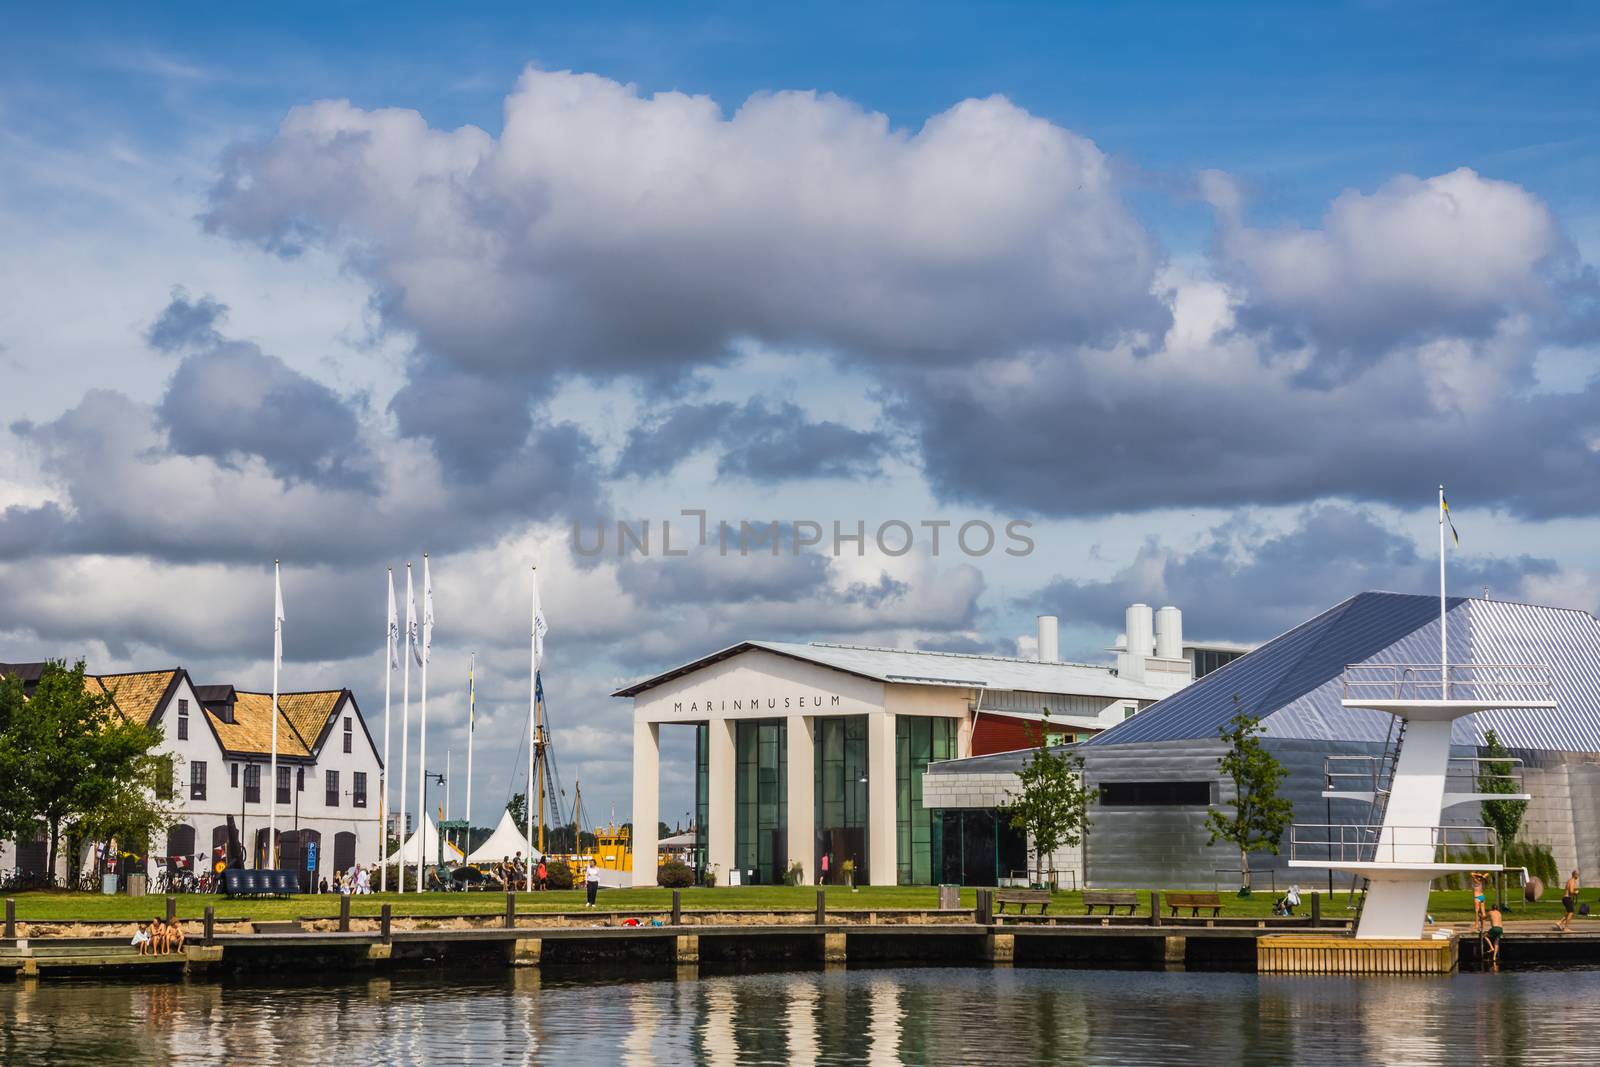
(1512, 682)
(1355, 843)
(1376, 773)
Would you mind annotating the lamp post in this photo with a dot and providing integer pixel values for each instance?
(428, 776)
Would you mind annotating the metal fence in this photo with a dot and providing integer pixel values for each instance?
(1345, 844)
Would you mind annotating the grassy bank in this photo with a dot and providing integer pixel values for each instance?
(1446, 906)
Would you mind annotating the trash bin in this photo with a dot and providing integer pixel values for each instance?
(136, 885)
(108, 884)
(949, 897)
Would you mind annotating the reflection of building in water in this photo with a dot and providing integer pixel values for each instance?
(717, 1044)
(800, 1022)
(883, 996)
(638, 1044)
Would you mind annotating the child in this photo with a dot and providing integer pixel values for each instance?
(174, 936)
(158, 936)
(142, 940)
(1496, 930)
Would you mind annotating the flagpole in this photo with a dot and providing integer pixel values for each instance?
(1444, 625)
(422, 731)
(472, 712)
(388, 728)
(533, 688)
(277, 660)
(405, 719)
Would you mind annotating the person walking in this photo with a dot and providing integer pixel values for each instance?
(544, 875)
(822, 870)
(591, 882)
(1569, 901)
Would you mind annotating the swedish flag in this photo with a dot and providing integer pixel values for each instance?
(1444, 506)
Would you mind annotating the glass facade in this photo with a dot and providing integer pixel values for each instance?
(761, 800)
(841, 795)
(918, 846)
(978, 846)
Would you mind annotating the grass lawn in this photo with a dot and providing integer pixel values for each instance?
(1455, 905)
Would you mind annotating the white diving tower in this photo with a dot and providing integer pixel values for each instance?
(1405, 846)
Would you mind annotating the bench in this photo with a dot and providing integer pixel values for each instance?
(1110, 899)
(237, 882)
(1194, 902)
(1021, 898)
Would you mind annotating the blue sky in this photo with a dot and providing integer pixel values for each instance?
(1213, 296)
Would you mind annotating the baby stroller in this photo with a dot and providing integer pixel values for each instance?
(1285, 905)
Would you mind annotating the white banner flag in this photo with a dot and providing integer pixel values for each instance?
(394, 626)
(411, 620)
(427, 609)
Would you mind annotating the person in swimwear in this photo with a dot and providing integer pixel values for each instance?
(1496, 931)
(1479, 882)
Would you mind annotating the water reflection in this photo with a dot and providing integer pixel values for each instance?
(812, 1017)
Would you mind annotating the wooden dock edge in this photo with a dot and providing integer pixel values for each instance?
(1300, 954)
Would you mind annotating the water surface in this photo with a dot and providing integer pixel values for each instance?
(920, 1016)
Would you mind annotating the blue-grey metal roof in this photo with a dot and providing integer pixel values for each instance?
(1295, 682)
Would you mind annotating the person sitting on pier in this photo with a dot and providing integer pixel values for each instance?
(174, 935)
(1496, 931)
(1288, 902)
(143, 940)
(158, 936)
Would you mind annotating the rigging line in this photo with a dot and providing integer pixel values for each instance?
(511, 783)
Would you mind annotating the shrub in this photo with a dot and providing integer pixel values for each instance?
(674, 875)
(559, 874)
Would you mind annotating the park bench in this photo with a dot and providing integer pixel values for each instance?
(1194, 902)
(1109, 899)
(1021, 898)
(237, 882)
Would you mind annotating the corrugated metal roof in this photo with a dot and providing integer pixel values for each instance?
(1295, 682)
(913, 667)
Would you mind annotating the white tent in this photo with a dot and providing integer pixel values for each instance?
(506, 841)
(427, 839)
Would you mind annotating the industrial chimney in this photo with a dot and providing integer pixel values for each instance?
(1169, 633)
(1141, 631)
(1049, 646)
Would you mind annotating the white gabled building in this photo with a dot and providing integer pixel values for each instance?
(219, 740)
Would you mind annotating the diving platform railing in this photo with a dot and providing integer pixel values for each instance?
(1352, 845)
(1513, 684)
(1466, 778)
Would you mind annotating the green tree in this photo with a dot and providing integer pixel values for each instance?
(518, 807)
(1053, 806)
(1259, 814)
(1502, 816)
(72, 763)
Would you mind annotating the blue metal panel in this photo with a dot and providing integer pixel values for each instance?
(1294, 682)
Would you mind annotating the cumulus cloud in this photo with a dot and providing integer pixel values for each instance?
(1247, 583)
(759, 440)
(605, 231)
(1211, 418)
(186, 322)
(1418, 258)
(234, 401)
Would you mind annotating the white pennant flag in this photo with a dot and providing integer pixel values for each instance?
(394, 626)
(411, 620)
(427, 609)
(540, 628)
(277, 614)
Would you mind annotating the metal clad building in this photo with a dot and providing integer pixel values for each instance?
(1294, 684)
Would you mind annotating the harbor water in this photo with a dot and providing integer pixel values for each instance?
(913, 1016)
